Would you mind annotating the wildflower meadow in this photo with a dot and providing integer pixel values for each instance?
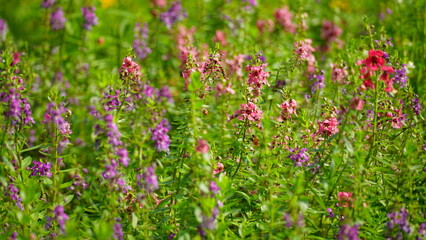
(212, 119)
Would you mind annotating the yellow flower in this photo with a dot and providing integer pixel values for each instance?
(107, 3)
(342, 4)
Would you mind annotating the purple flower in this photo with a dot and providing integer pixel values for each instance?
(214, 188)
(89, 16)
(417, 108)
(422, 232)
(401, 76)
(348, 232)
(318, 81)
(47, 3)
(139, 45)
(173, 14)
(118, 230)
(160, 137)
(3, 30)
(300, 157)
(110, 170)
(330, 213)
(148, 180)
(54, 115)
(112, 131)
(12, 192)
(123, 156)
(61, 217)
(398, 224)
(57, 20)
(13, 236)
(41, 169)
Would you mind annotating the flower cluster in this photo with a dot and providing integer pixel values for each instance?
(257, 78)
(89, 16)
(400, 76)
(57, 19)
(288, 109)
(374, 62)
(61, 217)
(247, 112)
(345, 199)
(290, 222)
(48, 3)
(299, 157)
(41, 169)
(139, 45)
(348, 232)
(54, 114)
(3, 30)
(417, 108)
(112, 100)
(118, 230)
(283, 17)
(160, 137)
(329, 33)
(78, 185)
(130, 71)
(319, 81)
(18, 109)
(398, 224)
(328, 127)
(12, 192)
(173, 14)
(202, 146)
(148, 180)
(339, 75)
(304, 51)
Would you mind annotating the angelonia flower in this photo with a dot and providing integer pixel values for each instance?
(235, 65)
(304, 51)
(330, 213)
(3, 30)
(265, 25)
(159, 3)
(219, 168)
(339, 75)
(57, 20)
(113, 133)
(257, 77)
(173, 14)
(299, 157)
(328, 127)
(417, 108)
(220, 37)
(319, 81)
(41, 169)
(247, 112)
(139, 45)
(13, 193)
(288, 109)
(375, 62)
(130, 71)
(400, 76)
(48, 3)
(214, 188)
(202, 146)
(54, 114)
(398, 225)
(89, 16)
(345, 198)
(330, 31)
(283, 17)
(118, 229)
(78, 185)
(422, 232)
(148, 180)
(18, 108)
(357, 104)
(61, 217)
(112, 100)
(289, 222)
(348, 232)
(13, 236)
(160, 137)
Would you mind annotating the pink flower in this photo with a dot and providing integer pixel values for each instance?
(328, 127)
(220, 37)
(304, 51)
(202, 146)
(265, 25)
(129, 70)
(248, 112)
(345, 197)
(357, 104)
(219, 168)
(339, 75)
(257, 78)
(375, 60)
(289, 108)
(283, 17)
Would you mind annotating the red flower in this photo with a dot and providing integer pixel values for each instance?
(345, 197)
(375, 60)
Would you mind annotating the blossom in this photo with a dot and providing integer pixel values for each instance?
(129, 71)
(89, 16)
(54, 114)
(48, 3)
(219, 168)
(328, 127)
(345, 197)
(118, 229)
(283, 17)
(3, 30)
(400, 76)
(288, 109)
(220, 37)
(13, 193)
(148, 180)
(173, 14)
(202, 146)
(330, 31)
(398, 224)
(417, 108)
(61, 217)
(139, 45)
(113, 133)
(319, 81)
(41, 169)
(375, 60)
(214, 188)
(257, 78)
(339, 75)
(248, 112)
(57, 20)
(357, 104)
(304, 51)
(348, 232)
(300, 157)
(160, 137)
(265, 25)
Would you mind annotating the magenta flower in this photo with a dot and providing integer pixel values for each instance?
(248, 112)
(57, 20)
(89, 16)
(202, 146)
(283, 17)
